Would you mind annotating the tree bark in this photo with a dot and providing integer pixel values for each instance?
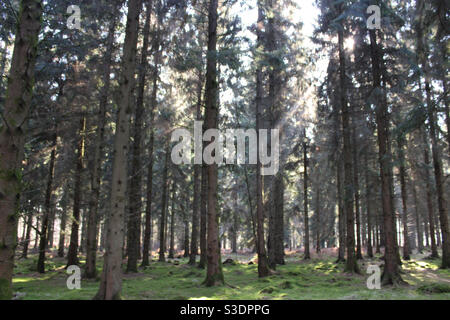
(172, 224)
(307, 255)
(391, 272)
(356, 191)
(351, 263)
(48, 198)
(368, 208)
(214, 275)
(72, 255)
(135, 195)
(422, 49)
(402, 172)
(111, 280)
(197, 186)
(147, 245)
(263, 263)
(92, 225)
(162, 224)
(12, 134)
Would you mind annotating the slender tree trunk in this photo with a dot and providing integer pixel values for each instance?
(422, 49)
(402, 172)
(162, 225)
(135, 195)
(263, 263)
(48, 199)
(92, 225)
(368, 208)
(317, 214)
(62, 233)
(351, 263)
(430, 207)
(391, 272)
(72, 255)
(197, 186)
(214, 273)
(357, 195)
(26, 243)
(305, 197)
(147, 246)
(203, 217)
(341, 213)
(12, 134)
(111, 280)
(172, 224)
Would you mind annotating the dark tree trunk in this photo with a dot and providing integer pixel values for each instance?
(147, 245)
(172, 224)
(214, 273)
(356, 191)
(12, 134)
(27, 240)
(391, 272)
(48, 200)
(351, 263)
(263, 263)
(111, 279)
(402, 172)
(91, 241)
(430, 207)
(62, 233)
(135, 195)
(162, 224)
(203, 217)
(72, 255)
(422, 53)
(197, 186)
(368, 208)
(305, 197)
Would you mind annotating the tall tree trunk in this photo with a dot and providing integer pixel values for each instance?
(62, 233)
(12, 134)
(356, 191)
(203, 216)
(305, 197)
(148, 235)
(197, 185)
(172, 224)
(391, 272)
(417, 216)
(135, 195)
(351, 263)
(368, 208)
(317, 214)
(26, 243)
(162, 224)
(422, 49)
(263, 263)
(48, 198)
(185, 210)
(402, 172)
(111, 280)
(430, 207)
(92, 225)
(72, 255)
(214, 273)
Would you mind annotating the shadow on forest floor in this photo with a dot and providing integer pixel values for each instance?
(318, 278)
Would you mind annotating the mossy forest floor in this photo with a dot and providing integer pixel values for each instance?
(318, 278)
